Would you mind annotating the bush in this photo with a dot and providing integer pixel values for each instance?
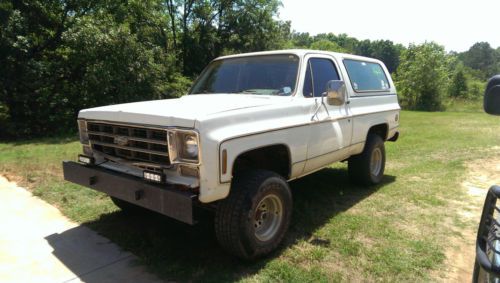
(422, 77)
(459, 85)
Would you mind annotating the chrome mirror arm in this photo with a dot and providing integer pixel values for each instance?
(319, 106)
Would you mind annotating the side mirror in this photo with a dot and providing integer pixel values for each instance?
(492, 96)
(336, 92)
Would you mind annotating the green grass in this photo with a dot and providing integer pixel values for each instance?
(398, 231)
(464, 105)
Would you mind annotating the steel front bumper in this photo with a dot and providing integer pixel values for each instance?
(160, 198)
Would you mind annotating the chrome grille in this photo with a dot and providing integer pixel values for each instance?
(129, 142)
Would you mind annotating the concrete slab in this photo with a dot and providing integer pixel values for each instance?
(39, 244)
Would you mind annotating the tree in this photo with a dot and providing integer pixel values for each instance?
(345, 41)
(387, 52)
(300, 40)
(458, 85)
(61, 56)
(422, 77)
(364, 48)
(384, 50)
(327, 45)
(208, 29)
(483, 58)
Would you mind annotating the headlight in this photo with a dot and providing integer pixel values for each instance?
(190, 146)
(183, 146)
(82, 130)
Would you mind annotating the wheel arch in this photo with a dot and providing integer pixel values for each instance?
(381, 129)
(273, 157)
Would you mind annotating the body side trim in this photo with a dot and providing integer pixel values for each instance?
(289, 127)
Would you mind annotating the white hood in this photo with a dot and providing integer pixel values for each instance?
(179, 112)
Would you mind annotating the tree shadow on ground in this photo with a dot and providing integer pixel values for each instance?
(179, 252)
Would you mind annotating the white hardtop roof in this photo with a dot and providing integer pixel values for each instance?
(301, 53)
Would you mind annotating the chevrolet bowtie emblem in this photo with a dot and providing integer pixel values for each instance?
(123, 141)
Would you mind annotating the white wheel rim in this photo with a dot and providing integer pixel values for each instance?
(376, 162)
(268, 217)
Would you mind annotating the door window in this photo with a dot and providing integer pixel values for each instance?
(319, 72)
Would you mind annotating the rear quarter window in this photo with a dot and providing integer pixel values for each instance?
(366, 76)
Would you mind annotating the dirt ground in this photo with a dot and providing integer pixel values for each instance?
(460, 255)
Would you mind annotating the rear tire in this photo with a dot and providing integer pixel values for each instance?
(368, 167)
(252, 221)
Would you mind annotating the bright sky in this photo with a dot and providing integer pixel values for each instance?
(456, 24)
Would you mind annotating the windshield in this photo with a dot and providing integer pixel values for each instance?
(267, 75)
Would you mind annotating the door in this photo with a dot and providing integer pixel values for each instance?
(331, 126)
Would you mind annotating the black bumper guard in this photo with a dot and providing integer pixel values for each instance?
(162, 198)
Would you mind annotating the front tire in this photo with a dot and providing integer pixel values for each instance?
(368, 167)
(252, 221)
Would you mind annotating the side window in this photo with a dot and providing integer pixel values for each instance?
(319, 72)
(366, 76)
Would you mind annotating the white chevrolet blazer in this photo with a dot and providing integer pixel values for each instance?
(250, 123)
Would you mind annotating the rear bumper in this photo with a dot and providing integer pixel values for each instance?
(160, 198)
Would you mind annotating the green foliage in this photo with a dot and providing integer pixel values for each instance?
(57, 57)
(384, 50)
(458, 85)
(203, 30)
(327, 45)
(483, 58)
(63, 56)
(177, 86)
(476, 89)
(299, 40)
(422, 77)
